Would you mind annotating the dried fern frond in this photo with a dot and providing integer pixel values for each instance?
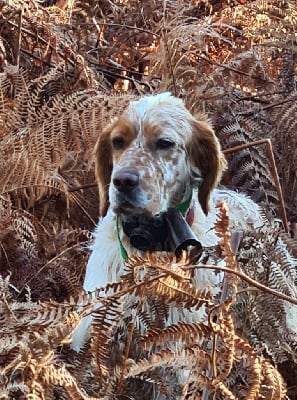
(248, 168)
(170, 280)
(271, 263)
(29, 348)
(187, 333)
(285, 145)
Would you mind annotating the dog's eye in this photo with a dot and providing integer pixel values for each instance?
(163, 144)
(117, 142)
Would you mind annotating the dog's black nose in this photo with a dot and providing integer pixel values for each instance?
(126, 179)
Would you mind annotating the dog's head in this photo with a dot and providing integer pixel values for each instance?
(153, 155)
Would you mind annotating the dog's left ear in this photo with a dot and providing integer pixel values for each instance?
(205, 154)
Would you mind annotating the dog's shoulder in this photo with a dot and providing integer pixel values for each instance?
(244, 215)
(105, 260)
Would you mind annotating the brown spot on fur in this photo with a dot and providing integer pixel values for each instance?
(124, 129)
(151, 133)
(104, 155)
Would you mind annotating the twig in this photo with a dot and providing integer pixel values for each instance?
(79, 204)
(89, 309)
(122, 26)
(171, 67)
(235, 240)
(223, 66)
(275, 104)
(29, 33)
(269, 149)
(80, 245)
(17, 55)
(256, 97)
(81, 187)
(40, 39)
(48, 62)
(237, 71)
(247, 279)
(278, 103)
(236, 237)
(117, 75)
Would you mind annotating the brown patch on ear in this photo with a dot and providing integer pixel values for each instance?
(103, 167)
(205, 153)
(104, 155)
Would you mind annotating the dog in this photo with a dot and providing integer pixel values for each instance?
(155, 157)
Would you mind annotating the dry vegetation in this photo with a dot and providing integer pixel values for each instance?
(66, 68)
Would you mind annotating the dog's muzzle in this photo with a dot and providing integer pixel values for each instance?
(167, 231)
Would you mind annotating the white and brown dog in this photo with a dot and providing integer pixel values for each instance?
(153, 157)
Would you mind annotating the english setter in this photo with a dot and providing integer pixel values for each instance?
(153, 157)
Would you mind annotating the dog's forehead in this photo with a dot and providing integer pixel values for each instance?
(159, 114)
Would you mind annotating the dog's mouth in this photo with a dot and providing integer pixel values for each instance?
(164, 231)
(145, 232)
(128, 209)
(167, 231)
(128, 204)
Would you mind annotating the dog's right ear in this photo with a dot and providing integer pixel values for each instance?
(103, 168)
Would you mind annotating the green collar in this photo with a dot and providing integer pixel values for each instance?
(123, 251)
(182, 208)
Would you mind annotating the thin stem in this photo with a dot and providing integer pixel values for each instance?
(247, 279)
(274, 172)
(268, 106)
(17, 55)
